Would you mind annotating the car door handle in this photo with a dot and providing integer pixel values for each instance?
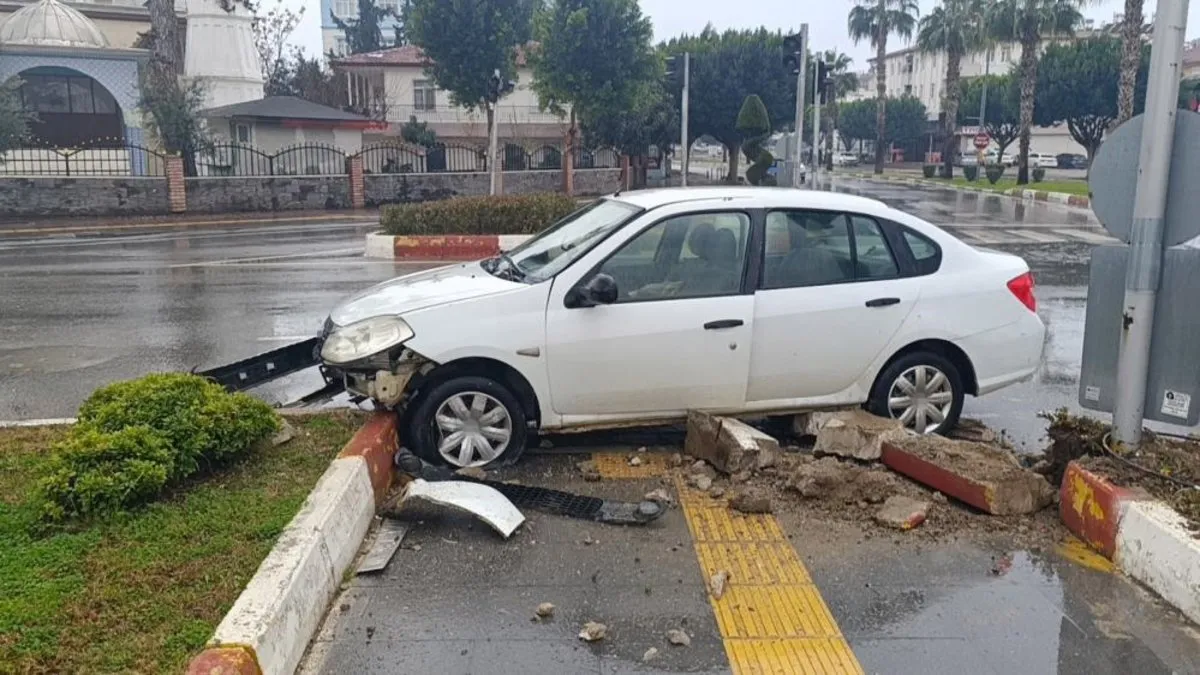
(883, 302)
(723, 323)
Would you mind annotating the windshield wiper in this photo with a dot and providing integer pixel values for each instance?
(517, 273)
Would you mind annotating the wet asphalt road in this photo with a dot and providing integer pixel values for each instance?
(76, 313)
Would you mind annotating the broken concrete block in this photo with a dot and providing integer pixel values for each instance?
(815, 480)
(902, 513)
(593, 631)
(678, 637)
(544, 610)
(984, 476)
(700, 482)
(716, 584)
(730, 445)
(809, 423)
(751, 500)
(857, 434)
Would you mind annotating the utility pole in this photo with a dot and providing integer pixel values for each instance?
(493, 149)
(800, 71)
(1144, 272)
(684, 148)
(816, 153)
(987, 65)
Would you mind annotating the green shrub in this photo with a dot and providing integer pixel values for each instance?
(134, 438)
(971, 173)
(1039, 174)
(199, 420)
(754, 124)
(929, 170)
(95, 472)
(994, 172)
(506, 214)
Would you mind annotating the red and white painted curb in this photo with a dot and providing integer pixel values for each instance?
(441, 246)
(1144, 537)
(270, 625)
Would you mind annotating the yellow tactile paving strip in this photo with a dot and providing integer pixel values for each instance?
(616, 464)
(772, 617)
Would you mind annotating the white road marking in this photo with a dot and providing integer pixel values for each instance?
(1040, 237)
(1089, 237)
(356, 250)
(984, 238)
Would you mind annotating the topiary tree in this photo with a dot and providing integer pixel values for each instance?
(755, 127)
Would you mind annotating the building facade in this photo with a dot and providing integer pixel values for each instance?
(333, 40)
(393, 83)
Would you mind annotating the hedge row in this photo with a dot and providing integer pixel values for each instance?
(133, 439)
(507, 214)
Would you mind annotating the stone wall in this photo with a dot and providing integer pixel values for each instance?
(109, 196)
(268, 193)
(98, 196)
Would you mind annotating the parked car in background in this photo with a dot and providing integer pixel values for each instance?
(1043, 160)
(647, 304)
(1008, 159)
(968, 159)
(845, 159)
(1069, 160)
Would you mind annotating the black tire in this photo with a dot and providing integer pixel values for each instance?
(878, 402)
(424, 436)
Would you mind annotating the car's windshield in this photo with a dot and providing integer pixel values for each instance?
(559, 245)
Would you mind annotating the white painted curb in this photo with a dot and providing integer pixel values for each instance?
(1154, 547)
(282, 606)
(380, 245)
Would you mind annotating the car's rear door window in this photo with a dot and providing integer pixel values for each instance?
(926, 255)
(815, 248)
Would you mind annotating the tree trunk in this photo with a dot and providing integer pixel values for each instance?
(1029, 64)
(880, 91)
(1131, 53)
(569, 165)
(950, 107)
(731, 178)
(163, 69)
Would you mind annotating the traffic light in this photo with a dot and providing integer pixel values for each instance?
(793, 49)
(822, 79)
(672, 67)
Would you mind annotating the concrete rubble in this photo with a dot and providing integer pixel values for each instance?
(902, 513)
(987, 477)
(544, 610)
(856, 434)
(593, 631)
(678, 637)
(729, 445)
(716, 584)
(751, 501)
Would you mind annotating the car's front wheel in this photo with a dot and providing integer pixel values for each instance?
(467, 421)
(924, 390)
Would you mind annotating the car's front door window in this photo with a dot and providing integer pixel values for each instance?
(690, 256)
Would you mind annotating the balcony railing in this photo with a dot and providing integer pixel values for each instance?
(505, 114)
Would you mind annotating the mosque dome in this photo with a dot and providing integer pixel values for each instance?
(50, 23)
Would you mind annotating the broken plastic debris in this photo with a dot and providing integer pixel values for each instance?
(486, 503)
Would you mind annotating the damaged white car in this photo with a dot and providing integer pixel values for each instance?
(644, 305)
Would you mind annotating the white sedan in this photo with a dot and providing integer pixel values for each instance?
(644, 305)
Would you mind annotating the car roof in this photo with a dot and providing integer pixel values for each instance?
(761, 197)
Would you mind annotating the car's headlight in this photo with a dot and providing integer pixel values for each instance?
(364, 338)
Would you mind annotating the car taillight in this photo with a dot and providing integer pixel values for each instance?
(1022, 287)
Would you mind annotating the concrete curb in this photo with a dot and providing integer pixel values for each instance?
(440, 247)
(1023, 194)
(1144, 537)
(270, 624)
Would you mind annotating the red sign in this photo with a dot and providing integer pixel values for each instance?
(982, 140)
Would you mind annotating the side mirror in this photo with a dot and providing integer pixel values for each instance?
(599, 290)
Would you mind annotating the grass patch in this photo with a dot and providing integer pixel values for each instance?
(1074, 187)
(142, 591)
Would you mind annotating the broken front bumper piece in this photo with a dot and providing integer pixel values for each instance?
(481, 501)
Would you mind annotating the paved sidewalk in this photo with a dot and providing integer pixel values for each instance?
(131, 224)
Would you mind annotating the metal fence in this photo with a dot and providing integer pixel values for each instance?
(305, 159)
(104, 159)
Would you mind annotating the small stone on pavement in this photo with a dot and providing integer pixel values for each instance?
(717, 492)
(635, 460)
(593, 631)
(659, 495)
(473, 472)
(544, 610)
(650, 654)
(716, 584)
(678, 638)
(902, 513)
(751, 500)
(701, 482)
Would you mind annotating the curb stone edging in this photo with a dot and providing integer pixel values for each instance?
(446, 247)
(1144, 537)
(271, 623)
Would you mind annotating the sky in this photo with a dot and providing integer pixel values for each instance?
(826, 20)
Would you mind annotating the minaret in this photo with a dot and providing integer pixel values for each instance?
(220, 51)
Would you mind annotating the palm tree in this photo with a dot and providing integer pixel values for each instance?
(1027, 21)
(875, 20)
(1134, 33)
(841, 82)
(957, 28)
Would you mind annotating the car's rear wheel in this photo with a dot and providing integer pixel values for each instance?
(467, 421)
(923, 390)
